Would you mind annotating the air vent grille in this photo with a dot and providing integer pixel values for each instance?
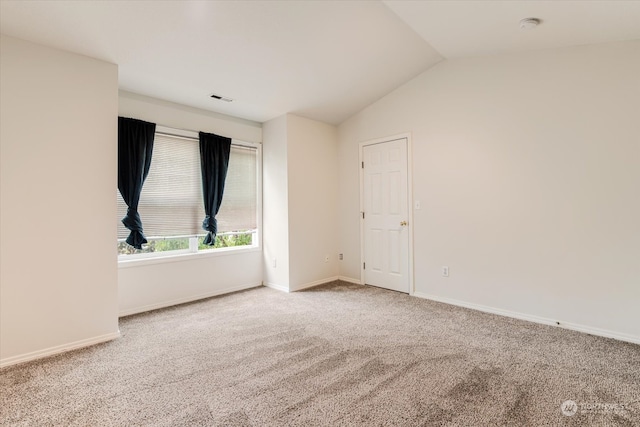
(221, 98)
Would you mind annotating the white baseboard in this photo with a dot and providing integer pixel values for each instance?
(600, 332)
(312, 284)
(536, 319)
(39, 354)
(164, 304)
(303, 286)
(349, 279)
(277, 287)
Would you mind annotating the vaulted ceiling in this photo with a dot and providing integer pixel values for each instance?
(325, 60)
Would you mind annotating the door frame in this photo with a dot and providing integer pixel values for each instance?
(361, 146)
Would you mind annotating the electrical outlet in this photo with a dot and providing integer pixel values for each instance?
(340, 257)
(445, 271)
(326, 258)
(273, 263)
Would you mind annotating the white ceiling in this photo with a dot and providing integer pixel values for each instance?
(471, 28)
(325, 60)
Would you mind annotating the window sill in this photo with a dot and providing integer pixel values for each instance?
(188, 256)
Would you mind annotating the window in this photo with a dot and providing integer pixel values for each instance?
(171, 205)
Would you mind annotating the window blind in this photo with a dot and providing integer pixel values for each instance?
(238, 211)
(171, 200)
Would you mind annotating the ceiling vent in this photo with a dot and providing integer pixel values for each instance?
(221, 98)
(529, 23)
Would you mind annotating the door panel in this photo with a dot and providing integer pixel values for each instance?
(385, 203)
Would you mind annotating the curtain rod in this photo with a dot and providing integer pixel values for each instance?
(166, 130)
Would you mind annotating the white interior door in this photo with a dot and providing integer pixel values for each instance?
(385, 216)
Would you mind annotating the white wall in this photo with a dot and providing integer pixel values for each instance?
(300, 202)
(149, 285)
(174, 115)
(313, 201)
(58, 287)
(528, 171)
(275, 212)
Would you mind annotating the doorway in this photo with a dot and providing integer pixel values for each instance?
(385, 214)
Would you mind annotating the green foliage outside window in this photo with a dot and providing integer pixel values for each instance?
(164, 245)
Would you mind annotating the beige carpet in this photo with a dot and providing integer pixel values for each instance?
(339, 354)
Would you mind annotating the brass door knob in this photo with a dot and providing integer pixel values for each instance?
(403, 223)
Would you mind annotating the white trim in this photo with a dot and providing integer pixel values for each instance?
(350, 280)
(312, 284)
(165, 304)
(172, 256)
(277, 287)
(535, 319)
(361, 145)
(51, 351)
(259, 179)
(411, 273)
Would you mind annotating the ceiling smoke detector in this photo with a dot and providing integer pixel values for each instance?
(529, 23)
(221, 98)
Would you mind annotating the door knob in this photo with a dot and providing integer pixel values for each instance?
(403, 223)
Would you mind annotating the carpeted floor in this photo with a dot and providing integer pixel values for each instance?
(338, 354)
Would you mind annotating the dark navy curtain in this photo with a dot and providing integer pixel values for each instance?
(135, 146)
(214, 161)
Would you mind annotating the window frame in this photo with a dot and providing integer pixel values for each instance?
(133, 260)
